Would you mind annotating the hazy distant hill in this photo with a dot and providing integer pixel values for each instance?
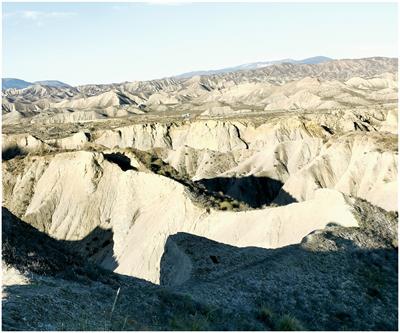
(14, 83)
(20, 84)
(255, 65)
(8, 83)
(53, 83)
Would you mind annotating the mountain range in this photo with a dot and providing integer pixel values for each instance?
(255, 65)
(8, 83)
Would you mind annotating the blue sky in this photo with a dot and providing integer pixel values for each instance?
(82, 43)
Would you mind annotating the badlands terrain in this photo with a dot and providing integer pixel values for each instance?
(261, 199)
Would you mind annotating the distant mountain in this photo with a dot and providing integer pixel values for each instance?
(14, 83)
(223, 93)
(255, 65)
(8, 83)
(53, 83)
(313, 60)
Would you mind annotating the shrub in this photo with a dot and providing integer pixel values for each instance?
(225, 205)
(157, 161)
(235, 204)
(192, 323)
(288, 323)
(265, 315)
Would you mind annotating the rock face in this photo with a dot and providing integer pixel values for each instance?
(105, 196)
(305, 152)
(158, 180)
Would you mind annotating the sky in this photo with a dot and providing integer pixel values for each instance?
(81, 43)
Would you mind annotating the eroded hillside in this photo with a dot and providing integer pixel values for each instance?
(200, 184)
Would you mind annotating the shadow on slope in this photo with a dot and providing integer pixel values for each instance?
(328, 282)
(254, 191)
(121, 160)
(11, 152)
(67, 292)
(336, 279)
(27, 249)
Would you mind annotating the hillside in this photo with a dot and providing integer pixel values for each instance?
(261, 199)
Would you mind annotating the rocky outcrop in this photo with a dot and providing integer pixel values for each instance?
(348, 151)
(360, 165)
(105, 196)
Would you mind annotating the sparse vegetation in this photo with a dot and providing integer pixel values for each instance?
(199, 194)
(278, 323)
(388, 142)
(225, 205)
(196, 322)
(288, 323)
(266, 315)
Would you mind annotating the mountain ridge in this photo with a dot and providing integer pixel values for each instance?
(255, 65)
(9, 83)
(16, 83)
